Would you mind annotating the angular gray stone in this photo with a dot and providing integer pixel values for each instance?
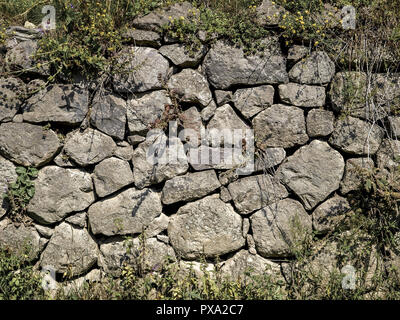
(145, 109)
(124, 151)
(63, 161)
(20, 240)
(224, 195)
(208, 111)
(58, 192)
(115, 255)
(352, 179)
(65, 104)
(160, 17)
(154, 161)
(254, 192)
(44, 231)
(246, 227)
(296, 53)
(135, 140)
(269, 14)
(223, 97)
(126, 213)
(109, 115)
(225, 119)
(242, 263)
(11, 95)
(111, 175)
(89, 147)
(143, 38)
(269, 158)
(394, 125)
(143, 69)
(313, 172)
(226, 66)
(317, 68)
(356, 136)
(78, 220)
(22, 55)
(157, 226)
(70, 249)
(190, 186)
(320, 123)
(206, 227)
(193, 125)
(181, 56)
(27, 144)
(193, 85)
(388, 155)
(7, 176)
(326, 216)
(302, 95)
(280, 126)
(250, 101)
(275, 227)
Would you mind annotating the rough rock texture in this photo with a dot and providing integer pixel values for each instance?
(78, 220)
(356, 136)
(27, 144)
(58, 192)
(111, 175)
(66, 104)
(242, 262)
(114, 255)
(328, 214)
(251, 101)
(7, 176)
(126, 213)
(20, 239)
(190, 186)
(181, 56)
(109, 115)
(317, 68)
(271, 157)
(388, 154)
(252, 193)
(206, 227)
(70, 249)
(313, 172)
(352, 179)
(222, 125)
(269, 13)
(154, 161)
(157, 226)
(223, 97)
(275, 227)
(145, 70)
(89, 147)
(296, 53)
(226, 66)
(193, 125)
(394, 123)
(10, 100)
(145, 109)
(194, 87)
(302, 95)
(320, 123)
(143, 37)
(280, 126)
(21, 56)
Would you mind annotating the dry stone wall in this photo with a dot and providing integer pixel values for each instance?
(96, 185)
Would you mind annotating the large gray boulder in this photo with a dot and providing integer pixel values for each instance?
(356, 136)
(193, 86)
(144, 110)
(66, 104)
(58, 192)
(352, 178)
(126, 213)
(109, 115)
(317, 68)
(89, 147)
(277, 227)
(11, 95)
(20, 240)
(150, 255)
(27, 144)
(70, 249)
(302, 95)
(313, 172)
(7, 176)
(328, 214)
(251, 101)
(190, 186)
(280, 126)
(143, 69)
(207, 227)
(320, 123)
(254, 192)
(183, 57)
(154, 161)
(111, 175)
(226, 65)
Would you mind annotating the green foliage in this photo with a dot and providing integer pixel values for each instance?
(20, 192)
